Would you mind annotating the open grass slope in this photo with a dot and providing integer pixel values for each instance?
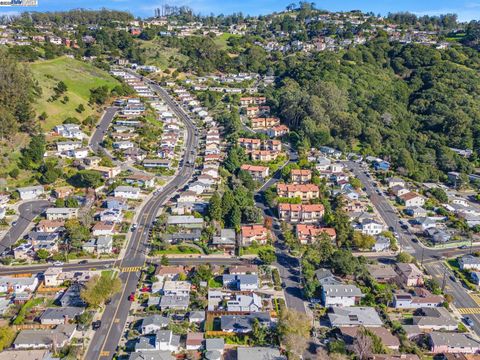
(79, 77)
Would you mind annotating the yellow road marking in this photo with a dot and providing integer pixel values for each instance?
(105, 353)
(117, 320)
(131, 269)
(476, 298)
(469, 310)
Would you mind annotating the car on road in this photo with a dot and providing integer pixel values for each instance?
(133, 227)
(404, 227)
(415, 240)
(463, 247)
(131, 297)
(83, 262)
(284, 285)
(453, 278)
(14, 223)
(96, 324)
(58, 263)
(468, 321)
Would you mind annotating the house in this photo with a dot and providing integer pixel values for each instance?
(409, 275)
(151, 355)
(102, 245)
(115, 203)
(434, 318)
(103, 228)
(394, 357)
(40, 354)
(254, 233)
(398, 190)
(61, 213)
(382, 243)
(156, 163)
(242, 324)
(382, 273)
(369, 226)
(113, 215)
(340, 295)
(412, 199)
(196, 317)
(303, 191)
(107, 172)
(241, 282)
(50, 226)
(18, 284)
(395, 181)
(389, 341)
(301, 212)
(354, 316)
(127, 192)
(175, 302)
(243, 269)
(64, 146)
(278, 130)
(171, 272)
(308, 234)
(185, 221)
(30, 192)
(60, 315)
(163, 340)
(325, 277)
(71, 297)
(259, 353)
(214, 348)
(263, 155)
(438, 236)
(62, 192)
(227, 240)
(475, 277)
(301, 176)
(140, 180)
(416, 211)
(153, 323)
(259, 173)
(245, 303)
(51, 277)
(178, 288)
(194, 340)
(55, 338)
(250, 144)
(469, 262)
(443, 342)
(420, 298)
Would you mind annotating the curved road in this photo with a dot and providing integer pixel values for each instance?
(28, 211)
(107, 338)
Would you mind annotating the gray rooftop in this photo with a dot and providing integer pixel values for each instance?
(243, 323)
(174, 301)
(151, 355)
(353, 316)
(453, 340)
(61, 313)
(259, 353)
(155, 319)
(215, 344)
(342, 290)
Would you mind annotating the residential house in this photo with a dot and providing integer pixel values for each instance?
(153, 323)
(389, 341)
(434, 318)
(418, 299)
(71, 297)
(409, 275)
(259, 353)
(277, 130)
(382, 243)
(185, 221)
(214, 348)
(241, 282)
(50, 226)
(151, 355)
(245, 303)
(259, 173)
(412, 199)
(140, 180)
(340, 295)
(64, 146)
(60, 315)
(301, 213)
(382, 273)
(395, 181)
(370, 226)
(51, 277)
(179, 288)
(254, 233)
(308, 234)
(196, 317)
(174, 302)
(226, 240)
(55, 338)
(398, 190)
(62, 192)
(242, 324)
(18, 284)
(469, 262)
(30, 192)
(127, 192)
(448, 343)
(103, 228)
(301, 176)
(61, 213)
(303, 191)
(263, 155)
(416, 211)
(243, 269)
(354, 316)
(163, 340)
(194, 341)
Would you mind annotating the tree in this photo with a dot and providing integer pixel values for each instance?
(80, 108)
(294, 331)
(259, 333)
(362, 345)
(99, 95)
(99, 289)
(32, 156)
(267, 256)
(86, 179)
(404, 257)
(343, 262)
(355, 182)
(43, 254)
(7, 335)
(71, 202)
(215, 207)
(363, 241)
(164, 261)
(14, 173)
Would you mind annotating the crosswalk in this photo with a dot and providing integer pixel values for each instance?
(469, 310)
(131, 269)
(476, 298)
(105, 354)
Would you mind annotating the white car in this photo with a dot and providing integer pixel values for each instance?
(58, 263)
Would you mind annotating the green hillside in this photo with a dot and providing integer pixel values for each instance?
(79, 77)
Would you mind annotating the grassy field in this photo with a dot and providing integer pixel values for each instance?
(79, 77)
(159, 55)
(221, 41)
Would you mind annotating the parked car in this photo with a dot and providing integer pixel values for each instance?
(131, 297)
(468, 321)
(58, 263)
(96, 324)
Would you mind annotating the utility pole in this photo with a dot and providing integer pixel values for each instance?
(444, 279)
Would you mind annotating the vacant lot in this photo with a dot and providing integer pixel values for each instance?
(79, 77)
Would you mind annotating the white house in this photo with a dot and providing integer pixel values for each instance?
(61, 213)
(171, 287)
(80, 153)
(30, 192)
(469, 262)
(127, 192)
(412, 199)
(18, 284)
(340, 295)
(68, 145)
(371, 227)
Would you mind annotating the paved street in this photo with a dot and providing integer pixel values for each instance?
(27, 212)
(107, 338)
(102, 128)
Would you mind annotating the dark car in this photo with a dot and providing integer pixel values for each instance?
(453, 278)
(83, 262)
(96, 325)
(284, 285)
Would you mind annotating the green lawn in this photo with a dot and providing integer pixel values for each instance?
(79, 77)
(221, 40)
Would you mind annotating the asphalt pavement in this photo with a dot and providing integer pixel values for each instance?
(101, 129)
(106, 339)
(27, 212)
